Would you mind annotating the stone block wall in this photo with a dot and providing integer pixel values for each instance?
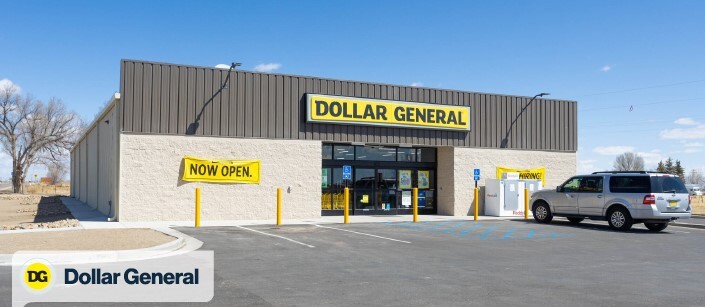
(455, 178)
(151, 188)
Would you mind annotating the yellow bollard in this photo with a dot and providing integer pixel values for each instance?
(198, 207)
(526, 204)
(477, 203)
(279, 206)
(346, 199)
(415, 202)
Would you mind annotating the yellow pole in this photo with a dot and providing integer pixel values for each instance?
(415, 202)
(279, 206)
(526, 204)
(346, 199)
(476, 203)
(198, 207)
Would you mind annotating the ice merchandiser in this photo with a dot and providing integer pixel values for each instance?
(505, 197)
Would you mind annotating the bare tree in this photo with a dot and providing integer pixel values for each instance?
(56, 170)
(695, 177)
(629, 161)
(32, 132)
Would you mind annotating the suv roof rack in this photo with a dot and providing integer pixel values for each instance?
(628, 172)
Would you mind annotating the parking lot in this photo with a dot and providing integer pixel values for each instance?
(486, 263)
(498, 263)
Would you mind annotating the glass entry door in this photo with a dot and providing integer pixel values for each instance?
(375, 190)
(364, 190)
(386, 191)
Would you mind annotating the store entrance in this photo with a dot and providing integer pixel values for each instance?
(382, 179)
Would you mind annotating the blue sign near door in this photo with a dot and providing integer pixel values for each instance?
(347, 172)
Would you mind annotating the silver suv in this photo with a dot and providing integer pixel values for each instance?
(621, 198)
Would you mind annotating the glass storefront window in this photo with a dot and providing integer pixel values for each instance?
(406, 154)
(327, 152)
(382, 178)
(325, 178)
(377, 153)
(364, 178)
(337, 178)
(344, 152)
(426, 154)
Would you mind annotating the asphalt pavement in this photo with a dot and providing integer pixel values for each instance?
(451, 263)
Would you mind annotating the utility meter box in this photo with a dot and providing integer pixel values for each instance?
(505, 197)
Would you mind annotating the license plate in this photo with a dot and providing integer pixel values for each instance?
(673, 203)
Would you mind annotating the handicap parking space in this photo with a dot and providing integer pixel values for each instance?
(498, 230)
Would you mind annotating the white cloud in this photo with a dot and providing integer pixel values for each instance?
(606, 68)
(416, 84)
(268, 67)
(612, 150)
(686, 121)
(693, 150)
(693, 144)
(222, 66)
(586, 166)
(651, 158)
(695, 132)
(6, 82)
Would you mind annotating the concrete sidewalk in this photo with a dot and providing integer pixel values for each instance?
(92, 219)
(320, 220)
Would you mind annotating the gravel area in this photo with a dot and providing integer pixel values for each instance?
(91, 239)
(18, 211)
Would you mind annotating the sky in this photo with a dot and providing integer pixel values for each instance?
(636, 68)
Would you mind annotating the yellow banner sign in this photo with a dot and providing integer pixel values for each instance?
(359, 111)
(221, 171)
(534, 173)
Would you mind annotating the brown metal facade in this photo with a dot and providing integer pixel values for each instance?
(160, 98)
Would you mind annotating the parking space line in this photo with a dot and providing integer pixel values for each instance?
(276, 236)
(670, 230)
(466, 231)
(681, 226)
(364, 234)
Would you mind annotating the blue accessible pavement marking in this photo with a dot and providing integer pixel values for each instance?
(480, 231)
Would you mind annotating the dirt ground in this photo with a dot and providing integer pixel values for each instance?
(19, 211)
(698, 205)
(49, 190)
(92, 239)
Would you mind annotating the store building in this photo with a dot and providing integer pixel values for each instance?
(301, 133)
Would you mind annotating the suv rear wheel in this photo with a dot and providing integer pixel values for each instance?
(620, 219)
(656, 226)
(542, 213)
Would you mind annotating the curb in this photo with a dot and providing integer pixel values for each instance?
(182, 244)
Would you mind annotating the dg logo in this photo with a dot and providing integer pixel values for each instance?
(37, 275)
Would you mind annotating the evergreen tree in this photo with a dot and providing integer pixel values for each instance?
(679, 171)
(661, 168)
(669, 166)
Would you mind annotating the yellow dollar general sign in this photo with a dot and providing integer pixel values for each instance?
(222, 171)
(360, 111)
(534, 173)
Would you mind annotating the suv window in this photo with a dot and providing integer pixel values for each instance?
(667, 184)
(591, 185)
(630, 184)
(572, 185)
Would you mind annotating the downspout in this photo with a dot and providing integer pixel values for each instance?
(114, 205)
